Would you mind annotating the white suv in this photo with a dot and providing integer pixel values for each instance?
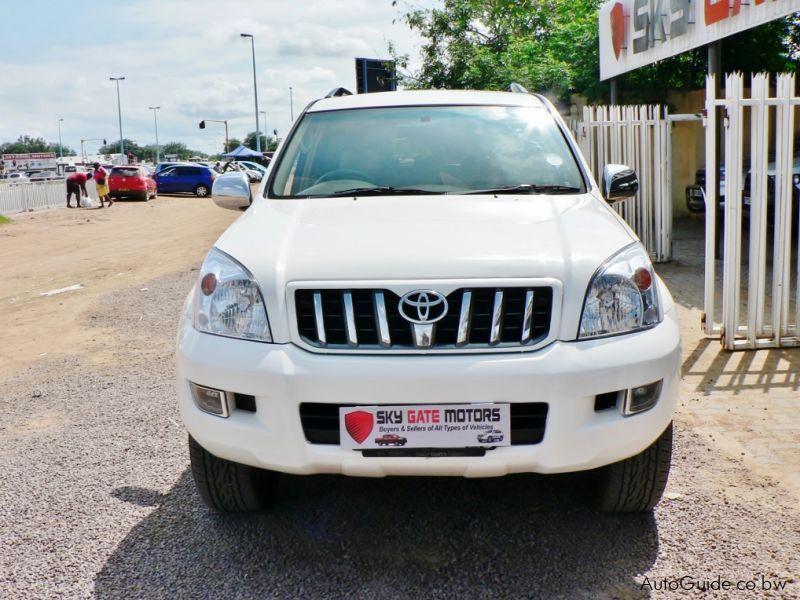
(428, 265)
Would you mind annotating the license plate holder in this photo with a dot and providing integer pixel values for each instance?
(425, 427)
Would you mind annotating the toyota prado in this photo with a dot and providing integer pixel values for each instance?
(436, 266)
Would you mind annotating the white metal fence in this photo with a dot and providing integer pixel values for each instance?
(760, 296)
(18, 197)
(637, 136)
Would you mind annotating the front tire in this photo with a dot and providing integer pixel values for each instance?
(636, 483)
(201, 191)
(229, 487)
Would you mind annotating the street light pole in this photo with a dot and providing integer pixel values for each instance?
(60, 145)
(291, 103)
(119, 114)
(255, 87)
(155, 121)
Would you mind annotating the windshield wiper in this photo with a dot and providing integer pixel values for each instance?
(525, 188)
(382, 190)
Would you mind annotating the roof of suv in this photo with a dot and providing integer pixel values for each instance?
(426, 98)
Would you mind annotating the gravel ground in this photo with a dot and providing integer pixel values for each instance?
(96, 500)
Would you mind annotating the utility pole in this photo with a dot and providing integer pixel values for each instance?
(119, 114)
(60, 145)
(255, 87)
(155, 121)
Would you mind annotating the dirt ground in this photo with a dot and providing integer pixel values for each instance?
(745, 403)
(97, 500)
(101, 250)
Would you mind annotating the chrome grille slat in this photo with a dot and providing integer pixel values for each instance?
(464, 319)
(319, 319)
(528, 320)
(350, 319)
(384, 334)
(492, 318)
(497, 318)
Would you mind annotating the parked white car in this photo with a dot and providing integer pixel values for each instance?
(253, 175)
(429, 265)
(45, 176)
(254, 166)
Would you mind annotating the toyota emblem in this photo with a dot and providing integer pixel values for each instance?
(423, 307)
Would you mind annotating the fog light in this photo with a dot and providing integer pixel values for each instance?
(210, 400)
(641, 398)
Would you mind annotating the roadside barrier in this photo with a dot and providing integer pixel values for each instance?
(20, 197)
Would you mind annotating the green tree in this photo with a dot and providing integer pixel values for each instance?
(178, 148)
(130, 147)
(268, 143)
(25, 144)
(552, 46)
(61, 150)
(233, 144)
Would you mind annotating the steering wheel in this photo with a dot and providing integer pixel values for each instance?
(344, 174)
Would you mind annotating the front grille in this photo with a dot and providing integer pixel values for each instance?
(477, 317)
(321, 422)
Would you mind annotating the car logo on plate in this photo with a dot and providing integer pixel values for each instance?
(423, 307)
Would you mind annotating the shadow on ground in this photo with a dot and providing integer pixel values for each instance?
(714, 369)
(518, 536)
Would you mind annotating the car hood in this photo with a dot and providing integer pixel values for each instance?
(425, 238)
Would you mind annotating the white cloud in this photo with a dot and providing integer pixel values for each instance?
(186, 56)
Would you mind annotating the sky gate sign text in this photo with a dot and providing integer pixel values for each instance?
(635, 33)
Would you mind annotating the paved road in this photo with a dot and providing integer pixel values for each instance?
(96, 500)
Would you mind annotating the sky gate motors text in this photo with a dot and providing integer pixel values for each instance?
(434, 415)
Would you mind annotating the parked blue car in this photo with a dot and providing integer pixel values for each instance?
(194, 179)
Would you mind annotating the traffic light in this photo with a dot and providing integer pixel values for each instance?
(202, 124)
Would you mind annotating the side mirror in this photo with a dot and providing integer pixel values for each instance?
(619, 182)
(232, 191)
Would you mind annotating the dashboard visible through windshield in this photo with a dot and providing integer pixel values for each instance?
(426, 150)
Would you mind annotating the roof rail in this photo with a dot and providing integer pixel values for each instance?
(517, 88)
(339, 91)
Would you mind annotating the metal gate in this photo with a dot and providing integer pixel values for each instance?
(637, 136)
(760, 296)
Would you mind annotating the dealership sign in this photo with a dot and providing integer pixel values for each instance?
(28, 162)
(635, 33)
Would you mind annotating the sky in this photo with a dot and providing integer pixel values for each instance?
(186, 56)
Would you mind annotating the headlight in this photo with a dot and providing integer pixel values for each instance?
(228, 301)
(622, 296)
(796, 179)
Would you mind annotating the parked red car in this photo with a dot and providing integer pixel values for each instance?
(132, 182)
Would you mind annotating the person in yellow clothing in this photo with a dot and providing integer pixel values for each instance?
(100, 177)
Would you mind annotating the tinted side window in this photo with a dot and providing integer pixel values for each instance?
(125, 171)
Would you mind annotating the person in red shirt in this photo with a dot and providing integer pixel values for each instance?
(76, 183)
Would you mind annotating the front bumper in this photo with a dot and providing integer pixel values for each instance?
(566, 375)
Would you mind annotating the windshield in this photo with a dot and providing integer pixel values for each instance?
(125, 171)
(427, 149)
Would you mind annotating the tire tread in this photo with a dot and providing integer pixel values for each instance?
(637, 483)
(229, 487)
